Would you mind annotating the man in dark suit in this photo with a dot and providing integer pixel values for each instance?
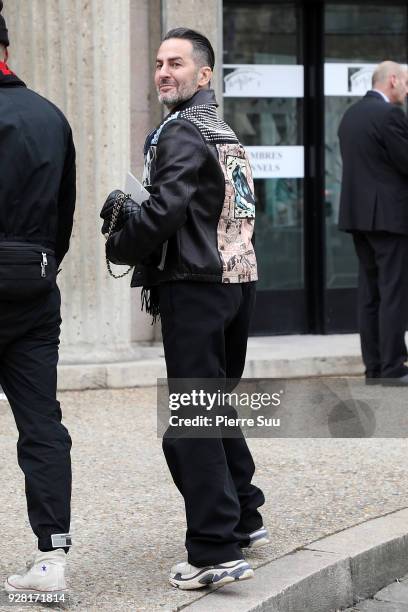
(374, 207)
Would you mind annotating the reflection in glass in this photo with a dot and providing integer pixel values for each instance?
(260, 33)
(268, 33)
(364, 33)
(278, 234)
(265, 121)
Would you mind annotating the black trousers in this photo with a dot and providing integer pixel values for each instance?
(205, 331)
(383, 301)
(29, 339)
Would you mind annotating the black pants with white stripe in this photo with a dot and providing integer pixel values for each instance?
(29, 339)
(205, 332)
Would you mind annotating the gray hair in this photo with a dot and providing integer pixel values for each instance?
(202, 48)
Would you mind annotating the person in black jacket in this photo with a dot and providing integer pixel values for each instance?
(191, 245)
(374, 207)
(37, 200)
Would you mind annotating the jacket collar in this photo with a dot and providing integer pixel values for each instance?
(202, 96)
(8, 78)
(375, 94)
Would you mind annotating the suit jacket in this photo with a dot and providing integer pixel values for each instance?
(374, 148)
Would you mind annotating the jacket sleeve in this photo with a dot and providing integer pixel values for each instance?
(181, 152)
(396, 138)
(66, 201)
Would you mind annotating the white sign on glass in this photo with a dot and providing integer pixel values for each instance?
(263, 81)
(277, 162)
(347, 79)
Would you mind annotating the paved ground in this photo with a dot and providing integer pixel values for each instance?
(272, 356)
(128, 519)
(393, 598)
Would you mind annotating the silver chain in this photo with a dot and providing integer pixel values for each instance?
(119, 202)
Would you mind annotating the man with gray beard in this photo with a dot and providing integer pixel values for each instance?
(191, 245)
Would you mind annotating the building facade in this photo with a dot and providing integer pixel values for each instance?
(286, 72)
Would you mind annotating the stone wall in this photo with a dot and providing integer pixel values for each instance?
(95, 60)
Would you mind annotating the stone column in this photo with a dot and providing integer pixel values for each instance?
(77, 54)
(208, 20)
(145, 36)
(204, 17)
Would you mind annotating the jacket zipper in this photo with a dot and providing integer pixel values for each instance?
(43, 264)
(13, 262)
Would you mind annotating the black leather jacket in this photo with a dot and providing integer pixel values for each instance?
(198, 222)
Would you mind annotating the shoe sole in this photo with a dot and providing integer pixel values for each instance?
(258, 538)
(258, 543)
(211, 578)
(9, 588)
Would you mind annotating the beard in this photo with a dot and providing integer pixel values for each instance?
(183, 92)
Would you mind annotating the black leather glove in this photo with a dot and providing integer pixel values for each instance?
(128, 208)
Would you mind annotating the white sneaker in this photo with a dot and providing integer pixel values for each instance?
(45, 574)
(258, 538)
(186, 576)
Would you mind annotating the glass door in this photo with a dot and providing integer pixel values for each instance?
(357, 36)
(263, 102)
(291, 69)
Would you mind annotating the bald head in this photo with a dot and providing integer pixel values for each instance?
(385, 70)
(392, 79)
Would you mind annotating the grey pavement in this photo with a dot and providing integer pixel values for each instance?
(392, 598)
(128, 517)
(272, 356)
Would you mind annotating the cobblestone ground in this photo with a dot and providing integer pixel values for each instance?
(128, 517)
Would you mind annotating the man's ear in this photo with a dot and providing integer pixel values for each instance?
(205, 76)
